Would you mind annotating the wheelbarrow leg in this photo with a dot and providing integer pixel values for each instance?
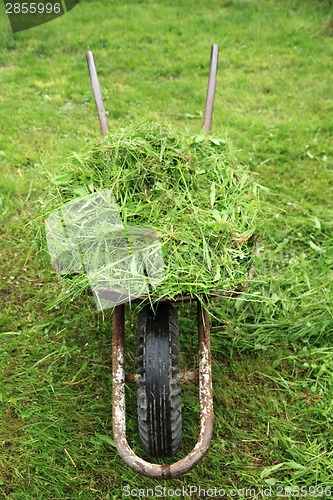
(119, 407)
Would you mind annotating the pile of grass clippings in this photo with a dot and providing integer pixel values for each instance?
(192, 190)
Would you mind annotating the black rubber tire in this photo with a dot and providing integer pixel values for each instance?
(158, 397)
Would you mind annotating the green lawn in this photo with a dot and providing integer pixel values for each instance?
(272, 347)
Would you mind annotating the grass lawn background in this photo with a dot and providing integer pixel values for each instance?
(272, 348)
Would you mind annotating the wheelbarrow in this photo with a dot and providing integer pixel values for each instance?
(159, 402)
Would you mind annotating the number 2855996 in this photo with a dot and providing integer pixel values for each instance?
(33, 8)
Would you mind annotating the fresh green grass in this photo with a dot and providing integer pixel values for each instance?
(190, 190)
(272, 347)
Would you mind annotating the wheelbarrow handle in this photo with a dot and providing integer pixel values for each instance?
(210, 96)
(103, 121)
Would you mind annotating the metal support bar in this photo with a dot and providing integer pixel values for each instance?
(119, 408)
(211, 89)
(103, 121)
(188, 377)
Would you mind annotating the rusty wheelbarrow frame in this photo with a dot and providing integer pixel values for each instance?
(118, 337)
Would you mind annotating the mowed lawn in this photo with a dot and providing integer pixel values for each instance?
(272, 347)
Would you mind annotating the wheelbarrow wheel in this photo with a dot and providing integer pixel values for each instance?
(158, 397)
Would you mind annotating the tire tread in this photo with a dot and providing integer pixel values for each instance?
(158, 395)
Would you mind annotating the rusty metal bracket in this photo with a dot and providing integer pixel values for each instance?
(119, 408)
(188, 377)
